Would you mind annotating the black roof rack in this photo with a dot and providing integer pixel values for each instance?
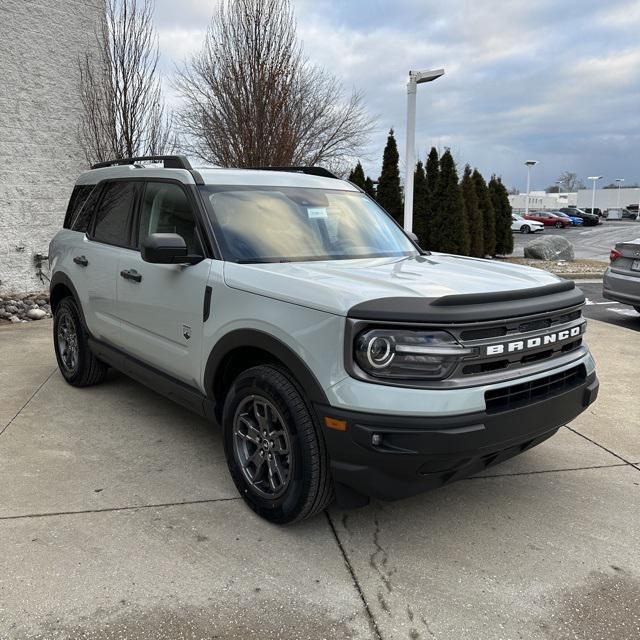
(312, 171)
(170, 162)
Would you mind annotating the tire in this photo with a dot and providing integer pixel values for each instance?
(294, 486)
(525, 228)
(559, 225)
(78, 365)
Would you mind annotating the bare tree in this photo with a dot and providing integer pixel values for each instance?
(569, 182)
(123, 110)
(251, 98)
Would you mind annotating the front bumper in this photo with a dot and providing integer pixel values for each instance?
(418, 453)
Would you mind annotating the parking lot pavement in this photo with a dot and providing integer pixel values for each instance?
(118, 520)
(589, 243)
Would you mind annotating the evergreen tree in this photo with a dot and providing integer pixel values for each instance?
(357, 176)
(448, 232)
(487, 213)
(432, 172)
(388, 192)
(502, 209)
(420, 196)
(369, 187)
(474, 217)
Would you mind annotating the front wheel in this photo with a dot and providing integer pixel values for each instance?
(275, 452)
(525, 228)
(76, 361)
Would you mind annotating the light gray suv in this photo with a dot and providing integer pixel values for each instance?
(285, 305)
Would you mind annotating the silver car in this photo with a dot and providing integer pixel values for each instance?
(622, 277)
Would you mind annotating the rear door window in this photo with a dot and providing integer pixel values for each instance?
(112, 220)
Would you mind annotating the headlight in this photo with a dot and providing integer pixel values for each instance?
(407, 354)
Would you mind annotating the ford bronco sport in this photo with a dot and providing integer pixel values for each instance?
(338, 357)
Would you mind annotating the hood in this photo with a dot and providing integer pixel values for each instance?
(337, 285)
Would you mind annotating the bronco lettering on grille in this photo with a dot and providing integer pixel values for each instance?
(533, 343)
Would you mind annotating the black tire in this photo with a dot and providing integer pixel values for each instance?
(84, 369)
(559, 225)
(525, 228)
(308, 488)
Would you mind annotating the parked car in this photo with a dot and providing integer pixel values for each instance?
(596, 212)
(575, 220)
(286, 306)
(518, 223)
(588, 219)
(548, 219)
(621, 280)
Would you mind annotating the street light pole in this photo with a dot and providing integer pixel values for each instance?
(415, 78)
(529, 164)
(593, 192)
(619, 181)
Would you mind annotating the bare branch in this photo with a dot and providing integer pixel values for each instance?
(252, 99)
(123, 110)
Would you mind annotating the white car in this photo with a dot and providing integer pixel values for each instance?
(518, 223)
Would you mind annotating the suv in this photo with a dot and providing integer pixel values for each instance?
(286, 306)
(589, 219)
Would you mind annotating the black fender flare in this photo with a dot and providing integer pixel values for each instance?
(62, 278)
(275, 347)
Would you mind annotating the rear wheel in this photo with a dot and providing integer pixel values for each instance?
(559, 225)
(76, 361)
(525, 228)
(275, 451)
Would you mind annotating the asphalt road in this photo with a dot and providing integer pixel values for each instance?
(597, 308)
(589, 243)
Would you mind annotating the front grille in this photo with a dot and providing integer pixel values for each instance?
(520, 395)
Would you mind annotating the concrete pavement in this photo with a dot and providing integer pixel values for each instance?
(118, 520)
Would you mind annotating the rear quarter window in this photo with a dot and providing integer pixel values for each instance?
(80, 208)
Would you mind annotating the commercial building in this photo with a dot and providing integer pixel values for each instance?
(40, 157)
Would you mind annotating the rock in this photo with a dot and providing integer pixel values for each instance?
(41, 302)
(11, 309)
(36, 314)
(549, 248)
(15, 319)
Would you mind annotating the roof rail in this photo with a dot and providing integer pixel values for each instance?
(312, 171)
(170, 162)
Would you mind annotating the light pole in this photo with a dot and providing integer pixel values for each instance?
(619, 181)
(529, 164)
(415, 78)
(593, 192)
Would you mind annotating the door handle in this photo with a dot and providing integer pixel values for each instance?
(81, 260)
(131, 274)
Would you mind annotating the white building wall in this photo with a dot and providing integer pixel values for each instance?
(39, 115)
(608, 198)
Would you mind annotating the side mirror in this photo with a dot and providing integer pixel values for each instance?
(167, 248)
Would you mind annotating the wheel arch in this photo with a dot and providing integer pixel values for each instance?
(61, 287)
(244, 348)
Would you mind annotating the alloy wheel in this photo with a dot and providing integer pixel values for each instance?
(262, 446)
(67, 339)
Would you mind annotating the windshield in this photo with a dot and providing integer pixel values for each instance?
(282, 224)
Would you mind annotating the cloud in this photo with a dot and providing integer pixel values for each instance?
(558, 80)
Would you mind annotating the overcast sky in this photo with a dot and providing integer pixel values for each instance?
(556, 81)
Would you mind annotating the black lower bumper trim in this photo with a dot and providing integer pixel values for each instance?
(391, 457)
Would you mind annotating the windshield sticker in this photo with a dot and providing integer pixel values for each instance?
(316, 212)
